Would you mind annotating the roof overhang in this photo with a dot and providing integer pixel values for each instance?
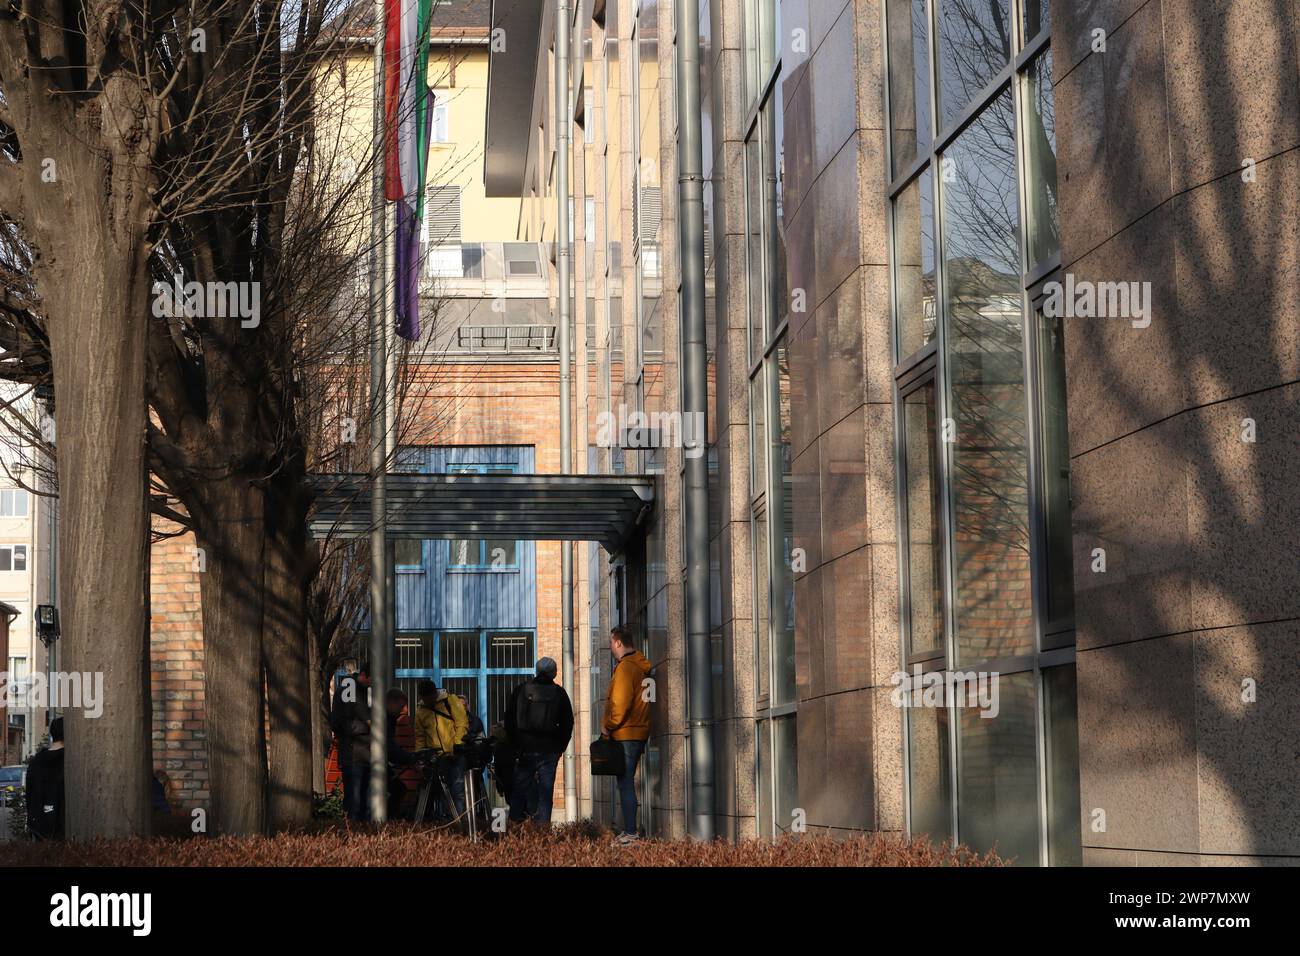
(603, 508)
(512, 80)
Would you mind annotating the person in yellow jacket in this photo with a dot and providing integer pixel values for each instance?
(440, 724)
(627, 720)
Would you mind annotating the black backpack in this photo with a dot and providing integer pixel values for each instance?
(537, 709)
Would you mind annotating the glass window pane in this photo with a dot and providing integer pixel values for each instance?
(774, 223)
(1055, 492)
(924, 537)
(929, 773)
(974, 44)
(6, 559)
(20, 503)
(757, 418)
(762, 637)
(511, 650)
(458, 650)
(20, 558)
(914, 265)
(749, 64)
(1041, 216)
(464, 552)
(997, 788)
(1061, 736)
(1037, 17)
(786, 764)
(500, 553)
(986, 374)
(909, 81)
(754, 244)
(408, 553)
(783, 688)
(413, 652)
(763, 770)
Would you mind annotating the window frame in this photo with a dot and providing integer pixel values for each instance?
(483, 566)
(1050, 647)
(437, 673)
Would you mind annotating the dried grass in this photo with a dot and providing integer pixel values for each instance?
(575, 845)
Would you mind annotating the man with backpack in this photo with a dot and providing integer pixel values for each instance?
(539, 723)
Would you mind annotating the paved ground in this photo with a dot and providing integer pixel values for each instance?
(4, 824)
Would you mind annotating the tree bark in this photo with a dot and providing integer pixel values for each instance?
(288, 670)
(232, 535)
(97, 344)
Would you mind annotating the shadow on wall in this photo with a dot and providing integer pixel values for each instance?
(1184, 434)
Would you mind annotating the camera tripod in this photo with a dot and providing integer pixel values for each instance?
(475, 803)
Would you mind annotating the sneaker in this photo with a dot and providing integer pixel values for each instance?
(626, 839)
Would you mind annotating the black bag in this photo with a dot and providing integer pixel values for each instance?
(607, 758)
(537, 709)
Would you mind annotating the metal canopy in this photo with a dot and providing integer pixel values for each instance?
(602, 508)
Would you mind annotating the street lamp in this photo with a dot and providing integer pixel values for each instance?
(47, 623)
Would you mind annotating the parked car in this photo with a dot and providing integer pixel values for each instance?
(11, 781)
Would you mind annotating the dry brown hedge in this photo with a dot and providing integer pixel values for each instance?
(400, 845)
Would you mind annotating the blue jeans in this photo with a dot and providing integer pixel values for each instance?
(632, 751)
(533, 786)
(356, 791)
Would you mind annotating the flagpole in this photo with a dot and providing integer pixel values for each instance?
(563, 125)
(380, 332)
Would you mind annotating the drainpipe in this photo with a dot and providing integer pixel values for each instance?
(379, 335)
(695, 394)
(563, 137)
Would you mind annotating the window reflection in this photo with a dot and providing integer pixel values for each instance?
(986, 371)
(997, 798)
(1055, 469)
(1061, 733)
(974, 44)
(1037, 17)
(924, 553)
(909, 81)
(914, 264)
(929, 773)
(1042, 216)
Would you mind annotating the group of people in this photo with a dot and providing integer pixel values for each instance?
(536, 728)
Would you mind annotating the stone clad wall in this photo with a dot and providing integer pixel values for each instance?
(1178, 167)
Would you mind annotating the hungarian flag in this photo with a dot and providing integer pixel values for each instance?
(408, 121)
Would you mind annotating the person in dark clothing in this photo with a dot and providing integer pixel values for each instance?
(350, 721)
(539, 723)
(45, 788)
(398, 757)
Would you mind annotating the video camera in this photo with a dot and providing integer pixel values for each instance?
(476, 750)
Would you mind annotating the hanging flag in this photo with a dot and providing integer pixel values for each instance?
(408, 116)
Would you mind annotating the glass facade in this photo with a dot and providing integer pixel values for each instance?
(982, 450)
(771, 479)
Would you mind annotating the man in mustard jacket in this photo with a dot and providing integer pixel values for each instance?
(627, 720)
(440, 724)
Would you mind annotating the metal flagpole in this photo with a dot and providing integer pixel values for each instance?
(380, 332)
(563, 121)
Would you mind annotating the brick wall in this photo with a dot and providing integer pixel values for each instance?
(176, 670)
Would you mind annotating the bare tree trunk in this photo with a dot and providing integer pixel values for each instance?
(288, 669)
(232, 534)
(97, 344)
